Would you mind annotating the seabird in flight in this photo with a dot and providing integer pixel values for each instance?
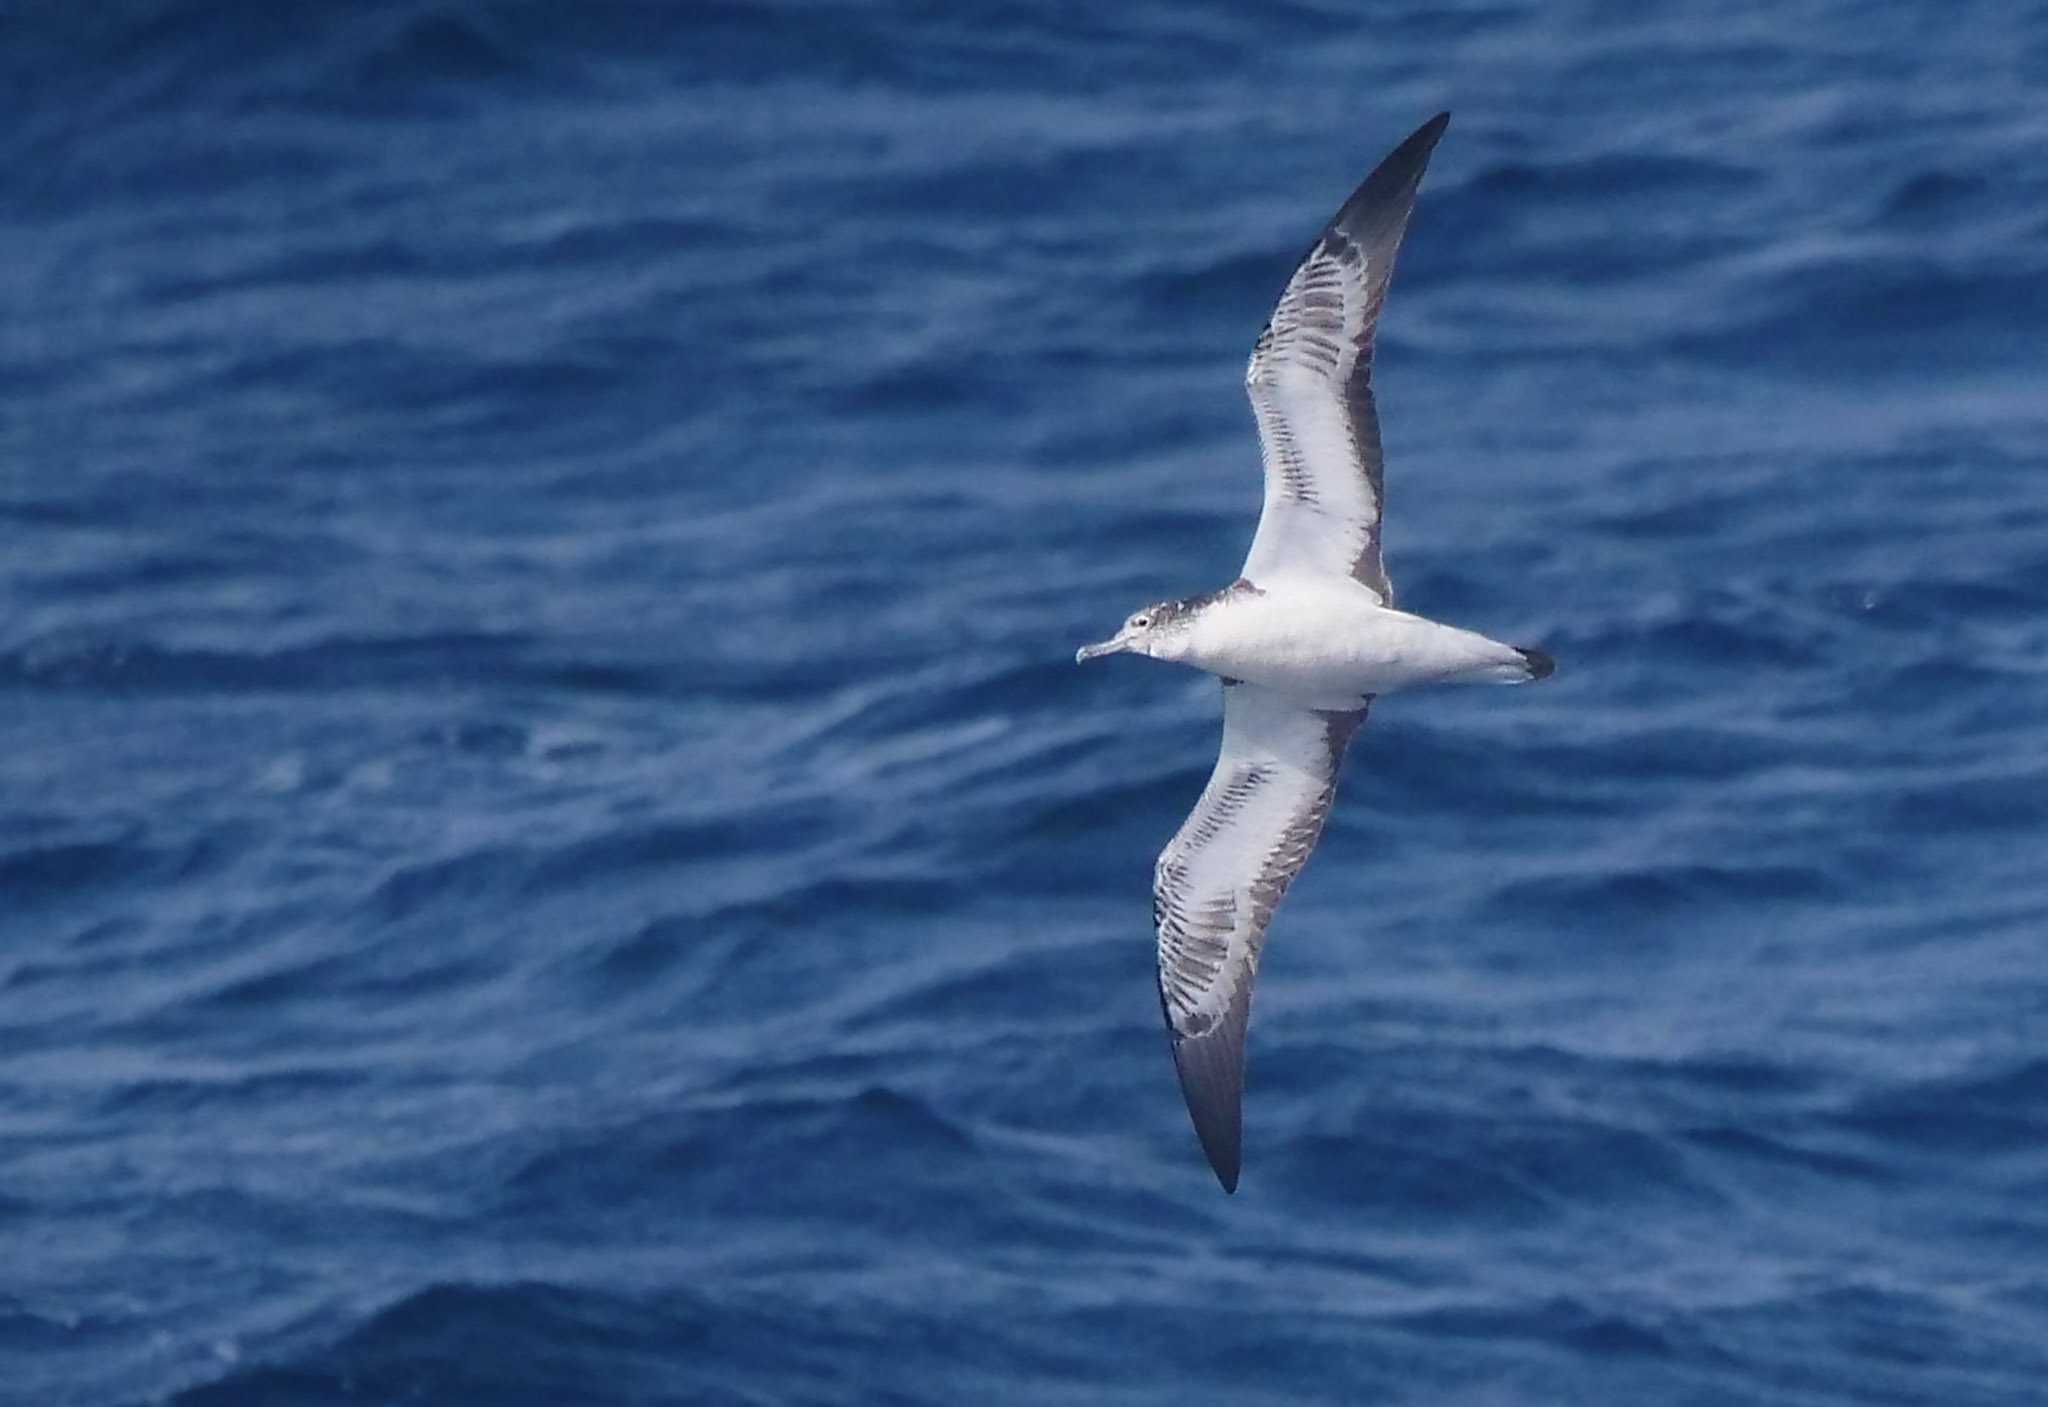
(1304, 640)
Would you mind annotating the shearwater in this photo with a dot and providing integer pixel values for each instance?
(1304, 640)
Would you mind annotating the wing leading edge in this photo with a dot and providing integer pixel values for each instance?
(1219, 880)
(1310, 383)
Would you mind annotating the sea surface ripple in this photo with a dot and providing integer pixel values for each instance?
(552, 848)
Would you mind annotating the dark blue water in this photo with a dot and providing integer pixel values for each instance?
(552, 848)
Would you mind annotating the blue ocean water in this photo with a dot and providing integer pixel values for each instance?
(552, 848)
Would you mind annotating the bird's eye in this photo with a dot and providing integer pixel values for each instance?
(1141, 622)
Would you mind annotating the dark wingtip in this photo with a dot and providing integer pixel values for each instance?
(1414, 152)
(1212, 1082)
(1377, 212)
(1415, 149)
(1211, 1069)
(1541, 666)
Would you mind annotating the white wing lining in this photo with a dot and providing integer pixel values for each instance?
(1310, 383)
(1218, 881)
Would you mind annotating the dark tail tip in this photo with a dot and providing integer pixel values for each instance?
(1541, 666)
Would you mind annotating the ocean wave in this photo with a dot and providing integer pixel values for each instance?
(552, 847)
(1874, 315)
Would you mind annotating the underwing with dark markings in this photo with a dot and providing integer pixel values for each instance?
(1303, 640)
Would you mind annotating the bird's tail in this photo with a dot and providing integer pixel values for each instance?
(1539, 665)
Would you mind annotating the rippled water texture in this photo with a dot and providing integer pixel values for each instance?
(552, 848)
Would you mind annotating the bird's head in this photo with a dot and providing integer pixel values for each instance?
(1157, 630)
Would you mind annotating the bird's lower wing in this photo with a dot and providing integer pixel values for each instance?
(1216, 886)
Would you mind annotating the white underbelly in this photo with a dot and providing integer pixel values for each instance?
(1333, 650)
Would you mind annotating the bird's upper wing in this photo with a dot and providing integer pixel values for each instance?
(1218, 881)
(1310, 381)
